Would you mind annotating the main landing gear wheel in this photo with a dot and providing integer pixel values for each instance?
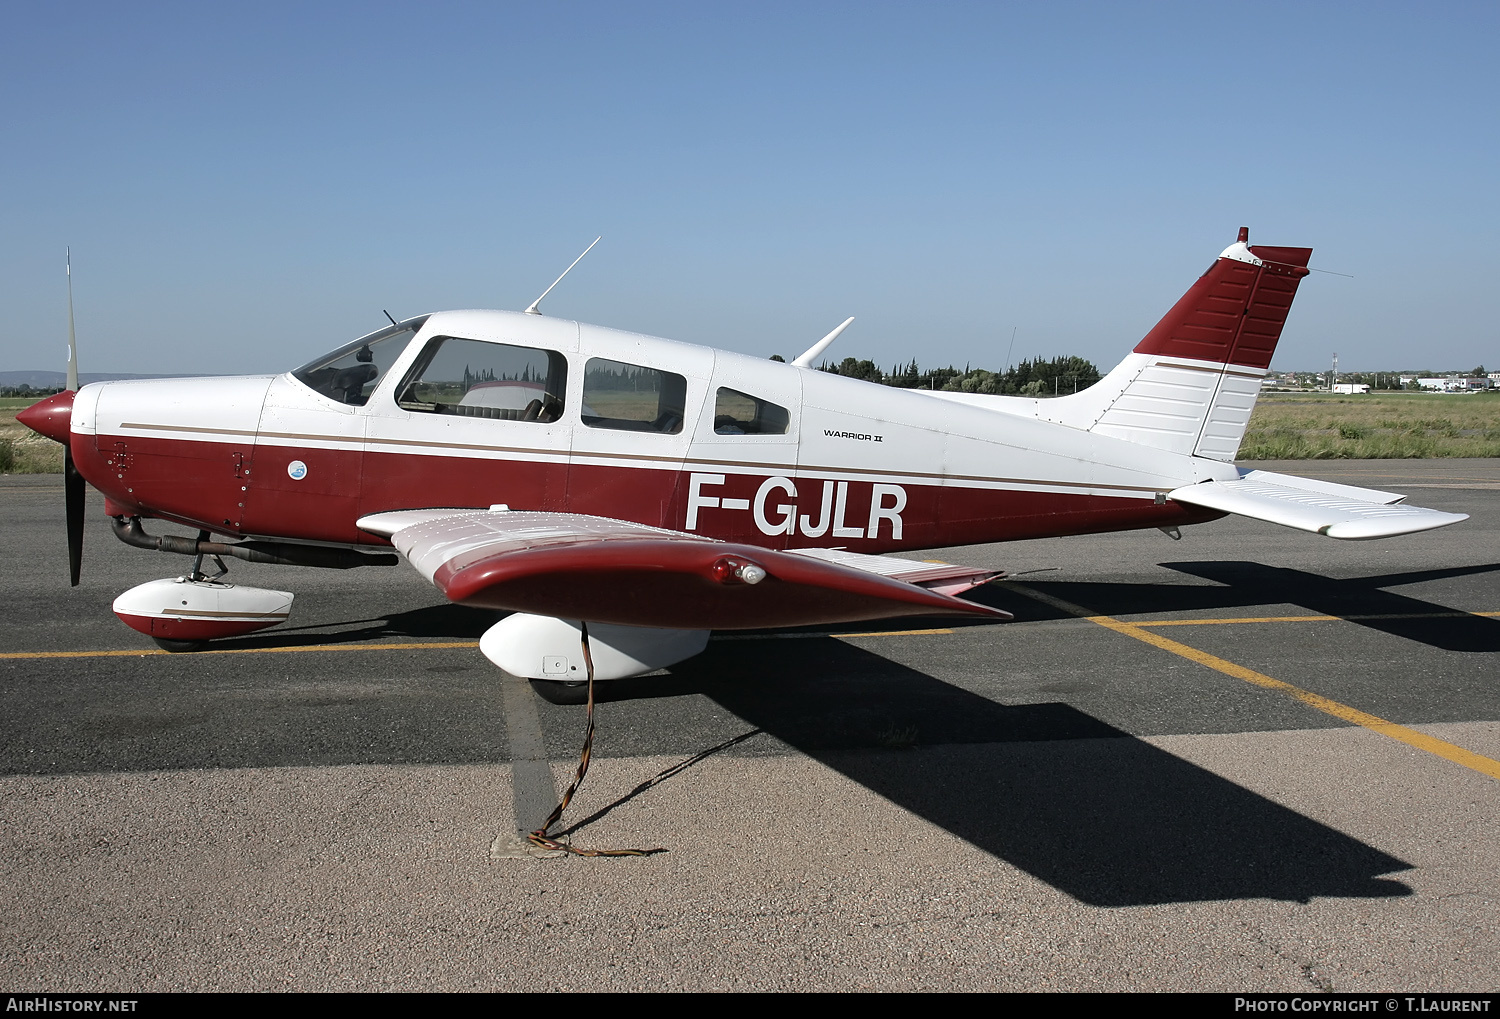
(180, 645)
(562, 691)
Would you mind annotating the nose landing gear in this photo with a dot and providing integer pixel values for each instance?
(185, 613)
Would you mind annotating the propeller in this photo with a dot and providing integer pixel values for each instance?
(53, 417)
(74, 495)
(73, 492)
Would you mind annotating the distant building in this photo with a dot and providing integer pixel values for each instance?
(1455, 384)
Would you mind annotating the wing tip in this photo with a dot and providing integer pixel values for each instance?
(1362, 530)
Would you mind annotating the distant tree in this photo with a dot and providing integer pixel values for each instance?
(1057, 377)
(778, 357)
(907, 376)
(937, 378)
(856, 369)
(976, 381)
(1034, 377)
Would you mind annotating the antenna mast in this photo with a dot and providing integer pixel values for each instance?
(533, 309)
(806, 360)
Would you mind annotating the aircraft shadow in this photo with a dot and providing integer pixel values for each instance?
(1247, 586)
(462, 622)
(1106, 818)
(1075, 802)
(431, 622)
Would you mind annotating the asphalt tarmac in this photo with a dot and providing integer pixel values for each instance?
(1250, 760)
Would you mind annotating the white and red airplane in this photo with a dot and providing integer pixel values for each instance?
(659, 490)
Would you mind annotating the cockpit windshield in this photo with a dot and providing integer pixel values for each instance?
(350, 374)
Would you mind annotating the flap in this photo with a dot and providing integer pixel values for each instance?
(935, 576)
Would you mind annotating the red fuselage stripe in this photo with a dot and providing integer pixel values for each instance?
(239, 487)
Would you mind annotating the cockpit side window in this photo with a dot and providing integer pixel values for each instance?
(350, 374)
(479, 379)
(632, 398)
(737, 413)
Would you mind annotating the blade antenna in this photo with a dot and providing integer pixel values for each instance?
(532, 309)
(806, 360)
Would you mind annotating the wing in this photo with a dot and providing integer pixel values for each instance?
(1339, 511)
(611, 571)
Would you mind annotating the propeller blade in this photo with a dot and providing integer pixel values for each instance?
(73, 493)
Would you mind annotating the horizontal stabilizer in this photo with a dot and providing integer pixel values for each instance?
(1339, 511)
(573, 566)
(1321, 487)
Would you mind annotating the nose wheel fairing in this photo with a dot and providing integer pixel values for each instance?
(192, 611)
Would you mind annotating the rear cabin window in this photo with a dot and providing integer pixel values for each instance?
(737, 413)
(632, 398)
(474, 378)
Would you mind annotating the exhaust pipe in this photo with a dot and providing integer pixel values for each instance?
(275, 553)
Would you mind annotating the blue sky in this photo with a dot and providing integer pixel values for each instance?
(244, 187)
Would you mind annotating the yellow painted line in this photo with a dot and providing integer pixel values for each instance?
(1248, 619)
(804, 636)
(81, 654)
(428, 646)
(433, 646)
(942, 631)
(1411, 737)
(1215, 621)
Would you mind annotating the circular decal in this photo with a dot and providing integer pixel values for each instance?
(296, 470)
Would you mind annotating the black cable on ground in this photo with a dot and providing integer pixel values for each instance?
(540, 836)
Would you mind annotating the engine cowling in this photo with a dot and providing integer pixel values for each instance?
(198, 610)
(544, 647)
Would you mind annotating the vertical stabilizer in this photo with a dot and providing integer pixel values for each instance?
(1190, 385)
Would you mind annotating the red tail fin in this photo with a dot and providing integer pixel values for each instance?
(1234, 313)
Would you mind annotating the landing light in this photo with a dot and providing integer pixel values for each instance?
(737, 571)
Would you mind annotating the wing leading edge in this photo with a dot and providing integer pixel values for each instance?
(1339, 511)
(611, 571)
